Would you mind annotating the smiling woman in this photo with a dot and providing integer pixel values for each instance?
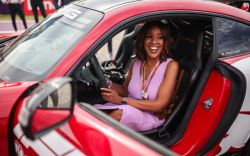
(136, 105)
(205, 95)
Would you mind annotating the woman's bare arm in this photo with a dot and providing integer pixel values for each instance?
(163, 95)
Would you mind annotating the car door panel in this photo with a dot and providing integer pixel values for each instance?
(241, 125)
(83, 134)
(199, 129)
(237, 94)
(94, 133)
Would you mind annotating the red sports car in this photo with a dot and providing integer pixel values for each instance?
(87, 42)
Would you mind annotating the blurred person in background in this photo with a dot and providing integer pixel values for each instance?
(16, 7)
(55, 3)
(35, 4)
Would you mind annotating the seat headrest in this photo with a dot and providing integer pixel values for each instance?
(188, 47)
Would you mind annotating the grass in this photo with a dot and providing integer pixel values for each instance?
(27, 17)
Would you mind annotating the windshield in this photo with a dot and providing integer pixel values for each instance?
(32, 56)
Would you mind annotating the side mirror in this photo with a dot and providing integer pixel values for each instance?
(49, 106)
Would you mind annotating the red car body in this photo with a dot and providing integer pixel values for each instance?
(88, 134)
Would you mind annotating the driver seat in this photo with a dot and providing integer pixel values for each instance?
(126, 51)
(188, 55)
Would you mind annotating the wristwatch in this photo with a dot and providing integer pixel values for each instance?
(124, 100)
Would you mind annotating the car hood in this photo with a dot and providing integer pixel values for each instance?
(10, 93)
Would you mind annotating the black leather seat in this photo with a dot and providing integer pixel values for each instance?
(188, 54)
(126, 50)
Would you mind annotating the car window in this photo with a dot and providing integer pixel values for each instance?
(233, 38)
(109, 50)
(87, 77)
(35, 54)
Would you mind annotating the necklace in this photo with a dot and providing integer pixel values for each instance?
(145, 83)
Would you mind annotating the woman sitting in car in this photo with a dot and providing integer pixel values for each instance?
(150, 82)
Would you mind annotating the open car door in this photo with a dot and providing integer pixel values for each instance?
(219, 110)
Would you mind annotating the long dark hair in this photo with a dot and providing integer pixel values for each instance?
(168, 40)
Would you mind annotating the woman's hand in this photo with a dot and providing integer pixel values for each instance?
(111, 95)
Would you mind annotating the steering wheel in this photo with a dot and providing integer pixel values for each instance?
(98, 71)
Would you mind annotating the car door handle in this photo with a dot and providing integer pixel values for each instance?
(208, 103)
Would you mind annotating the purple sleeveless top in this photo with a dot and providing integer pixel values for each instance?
(135, 88)
(132, 117)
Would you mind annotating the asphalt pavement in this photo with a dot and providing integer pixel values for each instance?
(6, 25)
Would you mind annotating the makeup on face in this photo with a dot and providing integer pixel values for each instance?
(153, 42)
